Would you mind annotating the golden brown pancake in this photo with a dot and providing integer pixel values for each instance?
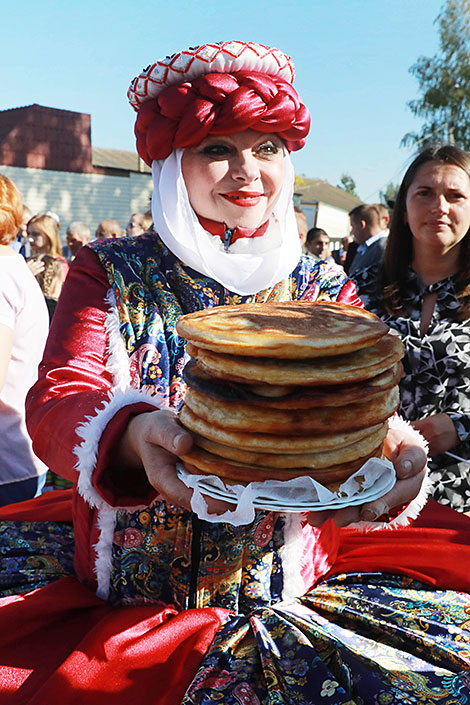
(289, 329)
(240, 417)
(340, 369)
(289, 397)
(198, 461)
(272, 443)
(319, 459)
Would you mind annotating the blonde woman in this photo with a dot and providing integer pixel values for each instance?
(47, 263)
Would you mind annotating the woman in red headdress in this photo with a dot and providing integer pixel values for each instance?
(167, 607)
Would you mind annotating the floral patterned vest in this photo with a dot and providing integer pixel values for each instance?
(165, 553)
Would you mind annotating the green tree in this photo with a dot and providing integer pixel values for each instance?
(444, 82)
(348, 184)
(389, 193)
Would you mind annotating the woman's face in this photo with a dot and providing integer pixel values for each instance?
(235, 179)
(39, 242)
(438, 206)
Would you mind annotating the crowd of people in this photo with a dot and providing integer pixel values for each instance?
(160, 606)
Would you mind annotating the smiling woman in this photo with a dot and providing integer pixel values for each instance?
(235, 180)
(205, 610)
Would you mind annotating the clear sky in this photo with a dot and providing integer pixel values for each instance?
(352, 62)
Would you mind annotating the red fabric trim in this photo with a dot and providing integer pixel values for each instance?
(435, 549)
(215, 228)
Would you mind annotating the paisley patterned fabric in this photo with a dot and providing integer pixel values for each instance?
(354, 640)
(153, 555)
(437, 374)
(34, 554)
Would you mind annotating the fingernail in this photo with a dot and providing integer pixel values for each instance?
(176, 440)
(407, 466)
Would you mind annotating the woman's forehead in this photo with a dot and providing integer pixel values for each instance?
(435, 172)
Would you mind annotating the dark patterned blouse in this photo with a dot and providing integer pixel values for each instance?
(437, 374)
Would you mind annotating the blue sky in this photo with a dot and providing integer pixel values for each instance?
(352, 61)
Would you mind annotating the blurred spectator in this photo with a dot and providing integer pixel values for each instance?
(21, 243)
(46, 262)
(302, 225)
(138, 224)
(384, 216)
(318, 244)
(371, 241)
(108, 229)
(23, 332)
(340, 254)
(78, 234)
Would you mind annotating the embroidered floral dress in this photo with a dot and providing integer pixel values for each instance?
(354, 639)
(436, 374)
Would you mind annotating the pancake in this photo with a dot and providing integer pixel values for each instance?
(240, 417)
(201, 462)
(340, 369)
(290, 329)
(272, 443)
(289, 397)
(319, 459)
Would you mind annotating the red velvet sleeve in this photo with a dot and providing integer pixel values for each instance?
(74, 382)
(349, 295)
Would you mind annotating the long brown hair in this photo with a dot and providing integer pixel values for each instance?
(399, 250)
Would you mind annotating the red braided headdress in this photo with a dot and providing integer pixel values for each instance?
(180, 100)
(220, 104)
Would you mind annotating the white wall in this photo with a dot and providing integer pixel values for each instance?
(334, 220)
(90, 198)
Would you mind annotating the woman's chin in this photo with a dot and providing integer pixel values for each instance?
(245, 220)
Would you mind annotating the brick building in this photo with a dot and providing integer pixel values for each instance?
(48, 154)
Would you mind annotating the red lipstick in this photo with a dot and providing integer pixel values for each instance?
(245, 199)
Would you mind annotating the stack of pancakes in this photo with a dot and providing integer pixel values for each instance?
(282, 390)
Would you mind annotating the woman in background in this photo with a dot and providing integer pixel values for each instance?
(23, 332)
(422, 290)
(47, 263)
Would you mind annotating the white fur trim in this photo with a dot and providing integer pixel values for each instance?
(413, 509)
(91, 432)
(103, 548)
(118, 360)
(291, 554)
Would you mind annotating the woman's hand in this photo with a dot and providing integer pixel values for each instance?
(155, 440)
(439, 431)
(36, 266)
(409, 460)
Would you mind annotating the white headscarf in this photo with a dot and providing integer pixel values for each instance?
(251, 264)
